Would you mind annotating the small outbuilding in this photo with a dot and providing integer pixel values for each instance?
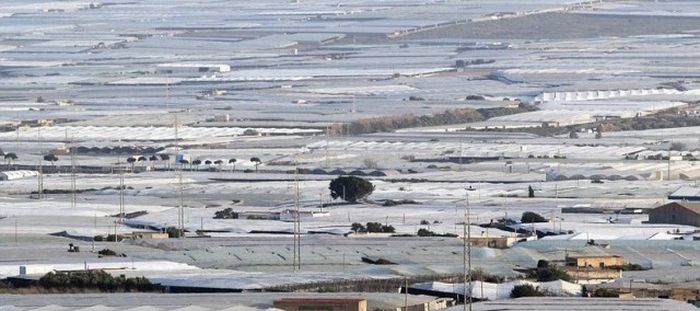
(321, 303)
(678, 213)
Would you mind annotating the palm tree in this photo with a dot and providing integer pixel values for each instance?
(207, 162)
(196, 163)
(184, 162)
(165, 157)
(9, 157)
(257, 162)
(131, 160)
(218, 163)
(153, 158)
(233, 161)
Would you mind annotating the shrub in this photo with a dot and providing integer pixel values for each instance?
(425, 232)
(226, 213)
(530, 217)
(605, 293)
(94, 279)
(526, 290)
(107, 252)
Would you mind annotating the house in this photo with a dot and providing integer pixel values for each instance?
(594, 267)
(679, 213)
(500, 242)
(321, 303)
(594, 261)
(148, 235)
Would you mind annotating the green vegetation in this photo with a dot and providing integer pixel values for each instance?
(527, 290)
(107, 252)
(226, 213)
(174, 232)
(546, 272)
(456, 116)
(605, 293)
(372, 227)
(426, 232)
(629, 267)
(669, 118)
(94, 280)
(530, 217)
(350, 188)
(390, 202)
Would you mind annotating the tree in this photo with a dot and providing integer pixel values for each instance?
(232, 161)
(141, 159)
(51, 158)
(375, 227)
(599, 132)
(530, 217)
(530, 192)
(184, 162)
(164, 158)
(678, 146)
(257, 162)
(358, 227)
(131, 160)
(546, 272)
(196, 163)
(207, 162)
(573, 134)
(9, 157)
(174, 232)
(350, 188)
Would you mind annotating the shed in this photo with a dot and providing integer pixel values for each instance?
(679, 213)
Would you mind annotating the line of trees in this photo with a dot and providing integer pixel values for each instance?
(455, 116)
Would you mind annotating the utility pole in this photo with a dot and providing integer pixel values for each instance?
(328, 133)
(40, 169)
(122, 189)
(297, 222)
(181, 205)
(467, 258)
(73, 177)
(668, 170)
